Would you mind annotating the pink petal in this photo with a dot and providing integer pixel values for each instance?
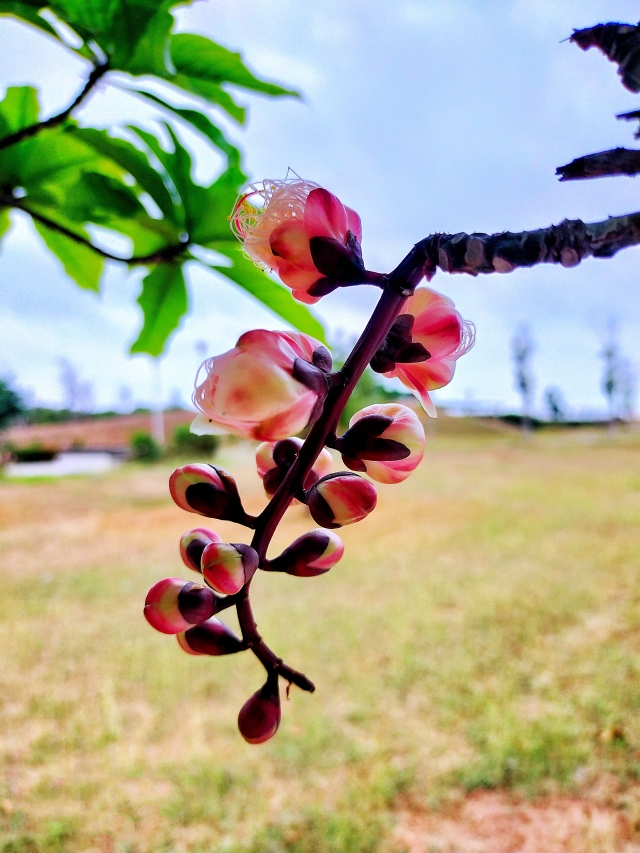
(325, 216)
(303, 296)
(295, 277)
(290, 242)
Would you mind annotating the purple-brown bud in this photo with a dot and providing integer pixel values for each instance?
(207, 490)
(274, 458)
(311, 554)
(385, 440)
(173, 606)
(227, 567)
(193, 543)
(210, 638)
(340, 499)
(259, 717)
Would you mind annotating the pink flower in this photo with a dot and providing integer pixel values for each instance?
(341, 498)
(311, 554)
(424, 345)
(212, 637)
(193, 543)
(274, 458)
(387, 444)
(259, 717)
(173, 606)
(269, 386)
(227, 567)
(301, 231)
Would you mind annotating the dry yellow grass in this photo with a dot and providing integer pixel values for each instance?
(480, 632)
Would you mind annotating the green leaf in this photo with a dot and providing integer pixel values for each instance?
(133, 161)
(275, 296)
(201, 123)
(203, 60)
(80, 262)
(163, 301)
(18, 109)
(5, 221)
(211, 207)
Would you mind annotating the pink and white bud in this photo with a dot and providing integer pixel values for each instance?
(311, 554)
(207, 490)
(433, 338)
(274, 458)
(260, 715)
(210, 638)
(340, 499)
(269, 386)
(193, 543)
(387, 453)
(172, 606)
(303, 232)
(227, 567)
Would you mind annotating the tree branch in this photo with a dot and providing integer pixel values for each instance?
(168, 253)
(33, 129)
(567, 244)
(620, 43)
(617, 161)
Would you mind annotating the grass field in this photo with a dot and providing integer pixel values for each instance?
(476, 654)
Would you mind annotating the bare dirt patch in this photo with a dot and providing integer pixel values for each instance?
(495, 822)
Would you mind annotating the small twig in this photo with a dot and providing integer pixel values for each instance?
(167, 253)
(617, 161)
(27, 132)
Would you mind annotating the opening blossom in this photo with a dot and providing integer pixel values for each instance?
(272, 385)
(267, 387)
(303, 232)
(424, 344)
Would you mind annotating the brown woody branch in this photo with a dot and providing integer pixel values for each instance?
(620, 43)
(567, 244)
(617, 161)
(167, 253)
(27, 132)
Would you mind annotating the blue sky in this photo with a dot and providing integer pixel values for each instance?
(423, 115)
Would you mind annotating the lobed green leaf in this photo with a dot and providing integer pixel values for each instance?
(163, 301)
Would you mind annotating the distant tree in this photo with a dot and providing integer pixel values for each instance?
(628, 389)
(610, 355)
(555, 404)
(522, 348)
(11, 404)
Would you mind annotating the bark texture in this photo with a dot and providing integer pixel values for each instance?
(617, 161)
(567, 244)
(620, 43)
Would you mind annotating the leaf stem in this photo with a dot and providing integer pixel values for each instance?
(99, 70)
(167, 253)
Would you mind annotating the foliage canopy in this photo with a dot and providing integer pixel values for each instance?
(76, 181)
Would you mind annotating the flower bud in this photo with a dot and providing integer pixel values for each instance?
(269, 386)
(259, 717)
(385, 440)
(311, 554)
(304, 233)
(341, 498)
(274, 458)
(172, 606)
(227, 567)
(207, 490)
(210, 638)
(424, 344)
(193, 543)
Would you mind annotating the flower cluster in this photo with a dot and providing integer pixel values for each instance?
(271, 386)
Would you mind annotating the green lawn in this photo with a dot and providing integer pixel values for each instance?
(482, 631)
